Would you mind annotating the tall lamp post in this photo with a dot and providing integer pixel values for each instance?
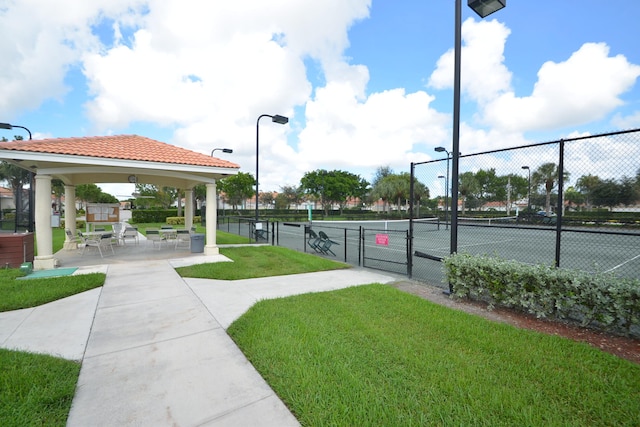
(483, 8)
(31, 183)
(446, 200)
(529, 192)
(446, 197)
(276, 119)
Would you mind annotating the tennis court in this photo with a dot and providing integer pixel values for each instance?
(384, 244)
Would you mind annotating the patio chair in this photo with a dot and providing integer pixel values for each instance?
(129, 233)
(183, 238)
(314, 241)
(325, 243)
(153, 235)
(72, 238)
(103, 241)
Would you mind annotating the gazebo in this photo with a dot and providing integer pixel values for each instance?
(113, 159)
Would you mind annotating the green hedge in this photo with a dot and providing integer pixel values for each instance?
(600, 300)
(179, 220)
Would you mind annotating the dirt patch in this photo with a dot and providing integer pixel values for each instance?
(624, 347)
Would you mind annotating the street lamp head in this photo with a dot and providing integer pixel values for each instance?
(10, 126)
(280, 119)
(441, 176)
(440, 149)
(525, 167)
(224, 150)
(485, 8)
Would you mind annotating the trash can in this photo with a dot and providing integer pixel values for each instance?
(197, 243)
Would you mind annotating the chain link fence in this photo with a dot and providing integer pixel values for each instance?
(573, 203)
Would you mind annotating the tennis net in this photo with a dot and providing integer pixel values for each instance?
(422, 224)
(487, 221)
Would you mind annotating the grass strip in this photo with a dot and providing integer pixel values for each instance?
(260, 261)
(17, 294)
(35, 389)
(373, 355)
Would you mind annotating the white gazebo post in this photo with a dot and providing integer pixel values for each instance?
(45, 259)
(211, 219)
(70, 216)
(188, 209)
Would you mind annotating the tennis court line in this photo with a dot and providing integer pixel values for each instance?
(620, 265)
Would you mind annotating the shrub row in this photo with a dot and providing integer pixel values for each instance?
(600, 300)
(179, 220)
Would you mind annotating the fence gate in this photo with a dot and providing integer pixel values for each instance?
(386, 250)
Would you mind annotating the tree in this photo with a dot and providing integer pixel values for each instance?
(586, 184)
(88, 193)
(333, 187)
(289, 195)
(547, 176)
(611, 193)
(238, 188)
(378, 191)
(267, 198)
(573, 197)
(467, 187)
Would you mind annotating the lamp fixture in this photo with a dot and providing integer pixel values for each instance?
(485, 8)
(133, 179)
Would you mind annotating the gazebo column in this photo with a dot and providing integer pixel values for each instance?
(211, 220)
(188, 209)
(45, 259)
(70, 216)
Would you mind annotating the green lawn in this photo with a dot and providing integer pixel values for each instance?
(375, 356)
(35, 390)
(260, 261)
(17, 294)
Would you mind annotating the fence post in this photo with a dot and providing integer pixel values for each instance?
(410, 235)
(360, 244)
(560, 202)
(345, 245)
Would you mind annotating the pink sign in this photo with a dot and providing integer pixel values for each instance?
(382, 239)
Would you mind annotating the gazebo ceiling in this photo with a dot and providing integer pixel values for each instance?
(116, 159)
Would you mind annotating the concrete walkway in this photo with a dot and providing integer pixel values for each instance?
(157, 353)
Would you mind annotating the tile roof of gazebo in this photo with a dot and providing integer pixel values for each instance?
(124, 147)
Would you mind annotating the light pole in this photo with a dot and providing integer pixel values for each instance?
(446, 200)
(224, 150)
(276, 119)
(483, 8)
(529, 192)
(31, 183)
(446, 197)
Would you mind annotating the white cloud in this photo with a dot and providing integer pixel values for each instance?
(584, 88)
(483, 74)
(41, 40)
(631, 121)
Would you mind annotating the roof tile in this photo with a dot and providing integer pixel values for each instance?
(124, 147)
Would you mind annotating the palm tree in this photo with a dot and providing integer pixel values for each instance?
(547, 175)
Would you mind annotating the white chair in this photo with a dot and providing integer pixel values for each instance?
(183, 238)
(72, 238)
(103, 241)
(153, 235)
(129, 233)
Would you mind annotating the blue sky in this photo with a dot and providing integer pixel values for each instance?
(366, 83)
